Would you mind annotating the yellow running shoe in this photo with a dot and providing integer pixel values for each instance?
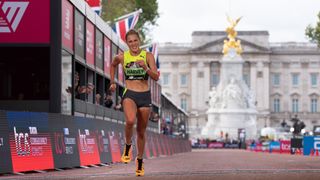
(126, 157)
(139, 168)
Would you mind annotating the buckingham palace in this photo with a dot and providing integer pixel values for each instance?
(283, 75)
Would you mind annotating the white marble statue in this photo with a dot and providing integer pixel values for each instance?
(232, 94)
(213, 98)
(251, 99)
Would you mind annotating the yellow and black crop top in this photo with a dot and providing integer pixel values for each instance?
(132, 70)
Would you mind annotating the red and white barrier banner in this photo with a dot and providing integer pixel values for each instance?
(40, 141)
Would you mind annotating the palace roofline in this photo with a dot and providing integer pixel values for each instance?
(220, 33)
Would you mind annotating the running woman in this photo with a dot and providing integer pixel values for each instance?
(138, 65)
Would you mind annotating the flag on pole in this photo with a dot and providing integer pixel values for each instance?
(95, 5)
(124, 23)
(153, 48)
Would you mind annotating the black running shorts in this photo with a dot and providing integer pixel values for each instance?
(142, 99)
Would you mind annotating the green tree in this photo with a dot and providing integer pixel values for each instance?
(112, 9)
(313, 33)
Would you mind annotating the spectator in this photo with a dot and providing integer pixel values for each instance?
(108, 100)
(90, 88)
(77, 88)
(98, 99)
(20, 96)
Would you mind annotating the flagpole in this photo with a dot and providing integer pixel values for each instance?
(127, 15)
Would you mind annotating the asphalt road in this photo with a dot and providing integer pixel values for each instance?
(198, 164)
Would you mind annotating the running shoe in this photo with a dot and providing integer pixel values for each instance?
(139, 168)
(126, 156)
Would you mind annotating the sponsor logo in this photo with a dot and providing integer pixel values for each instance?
(38, 140)
(33, 130)
(66, 131)
(285, 146)
(22, 142)
(316, 144)
(86, 143)
(11, 14)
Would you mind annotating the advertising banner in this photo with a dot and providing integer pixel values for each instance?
(30, 141)
(258, 147)
(274, 146)
(114, 51)
(265, 146)
(167, 144)
(134, 143)
(114, 144)
(79, 34)
(215, 145)
(154, 145)
(150, 144)
(90, 43)
(120, 70)
(285, 146)
(107, 55)
(163, 145)
(120, 74)
(119, 129)
(87, 141)
(64, 141)
(5, 154)
(99, 49)
(102, 129)
(67, 25)
(311, 144)
(25, 21)
(147, 151)
(157, 141)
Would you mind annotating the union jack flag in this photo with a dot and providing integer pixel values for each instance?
(95, 5)
(125, 23)
(153, 48)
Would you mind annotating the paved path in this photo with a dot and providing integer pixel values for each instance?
(200, 164)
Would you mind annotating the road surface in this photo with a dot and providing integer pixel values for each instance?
(198, 164)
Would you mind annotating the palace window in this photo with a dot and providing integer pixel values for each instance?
(276, 105)
(275, 79)
(183, 80)
(215, 80)
(314, 105)
(183, 104)
(295, 79)
(295, 105)
(166, 79)
(314, 79)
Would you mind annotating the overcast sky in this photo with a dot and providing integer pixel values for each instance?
(285, 20)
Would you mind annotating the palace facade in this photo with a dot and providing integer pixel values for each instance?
(284, 76)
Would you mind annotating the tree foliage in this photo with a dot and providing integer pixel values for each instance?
(313, 33)
(112, 9)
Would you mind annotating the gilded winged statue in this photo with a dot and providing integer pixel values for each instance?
(232, 33)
